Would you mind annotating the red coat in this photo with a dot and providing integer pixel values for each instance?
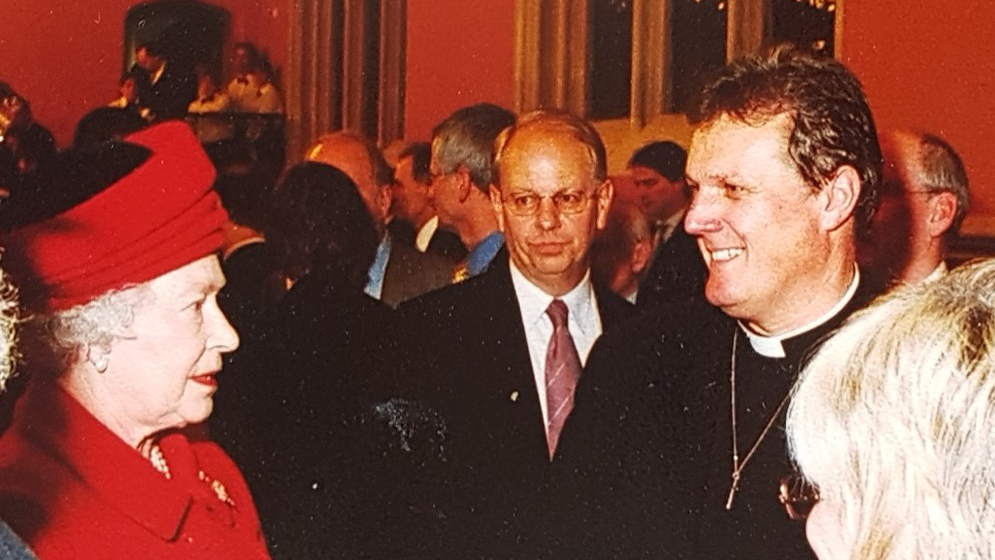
(72, 489)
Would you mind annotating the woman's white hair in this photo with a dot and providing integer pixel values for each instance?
(53, 341)
(894, 420)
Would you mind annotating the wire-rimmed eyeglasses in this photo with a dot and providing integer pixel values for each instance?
(567, 202)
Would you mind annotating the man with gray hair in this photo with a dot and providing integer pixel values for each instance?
(460, 168)
(399, 272)
(924, 199)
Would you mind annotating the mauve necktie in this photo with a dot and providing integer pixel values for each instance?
(562, 372)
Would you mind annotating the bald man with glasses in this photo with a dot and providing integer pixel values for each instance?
(500, 354)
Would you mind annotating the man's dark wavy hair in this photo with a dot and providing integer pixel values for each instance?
(320, 224)
(831, 121)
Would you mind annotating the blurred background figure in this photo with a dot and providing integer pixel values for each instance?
(104, 124)
(134, 81)
(26, 147)
(461, 168)
(621, 252)
(252, 89)
(894, 422)
(675, 271)
(398, 272)
(415, 221)
(171, 87)
(206, 112)
(924, 198)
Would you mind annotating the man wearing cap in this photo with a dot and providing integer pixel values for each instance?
(123, 342)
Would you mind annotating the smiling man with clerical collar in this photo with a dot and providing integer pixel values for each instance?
(675, 446)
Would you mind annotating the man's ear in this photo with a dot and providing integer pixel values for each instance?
(464, 183)
(498, 204)
(640, 256)
(604, 203)
(838, 198)
(942, 210)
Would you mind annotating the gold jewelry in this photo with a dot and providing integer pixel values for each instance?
(737, 467)
(219, 489)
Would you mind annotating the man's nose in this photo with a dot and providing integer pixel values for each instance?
(702, 215)
(548, 214)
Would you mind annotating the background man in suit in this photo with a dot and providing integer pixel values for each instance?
(924, 199)
(676, 446)
(171, 87)
(399, 272)
(461, 176)
(415, 220)
(675, 272)
(506, 347)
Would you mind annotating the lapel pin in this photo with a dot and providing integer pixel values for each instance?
(514, 396)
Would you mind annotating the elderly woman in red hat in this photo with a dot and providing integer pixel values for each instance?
(123, 343)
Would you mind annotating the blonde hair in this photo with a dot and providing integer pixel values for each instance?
(8, 330)
(894, 419)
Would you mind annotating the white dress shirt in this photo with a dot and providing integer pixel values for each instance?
(583, 321)
(425, 234)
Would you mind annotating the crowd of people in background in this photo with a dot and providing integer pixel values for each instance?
(488, 346)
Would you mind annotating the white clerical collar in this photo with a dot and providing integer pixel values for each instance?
(772, 347)
(533, 301)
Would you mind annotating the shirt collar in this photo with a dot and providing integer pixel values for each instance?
(374, 285)
(424, 236)
(773, 347)
(483, 253)
(534, 301)
(670, 224)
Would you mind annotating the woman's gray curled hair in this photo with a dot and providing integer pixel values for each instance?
(894, 420)
(51, 341)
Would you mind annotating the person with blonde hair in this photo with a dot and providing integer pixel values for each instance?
(893, 421)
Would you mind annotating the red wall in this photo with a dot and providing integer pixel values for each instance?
(932, 68)
(459, 52)
(927, 66)
(65, 57)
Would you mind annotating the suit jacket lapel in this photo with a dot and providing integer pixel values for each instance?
(512, 374)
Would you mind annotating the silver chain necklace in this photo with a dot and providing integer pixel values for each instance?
(737, 466)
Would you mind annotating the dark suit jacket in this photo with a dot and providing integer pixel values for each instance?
(676, 274)
(310, 417)
(468, 356)
(171, 94)
(444, 243)
(643, 465)
(411, 273)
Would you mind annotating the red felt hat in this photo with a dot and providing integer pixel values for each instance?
(161, 216)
